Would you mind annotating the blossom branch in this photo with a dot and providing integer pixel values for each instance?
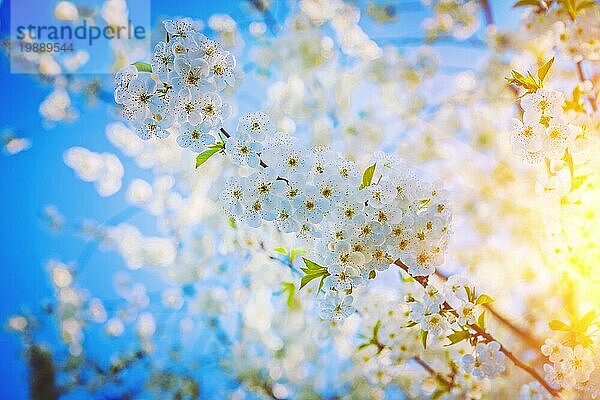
(423, 281)
(525, 336)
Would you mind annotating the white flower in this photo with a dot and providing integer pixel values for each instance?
(179, 28)
(436, 324)
(343, 254)
(232, 196)
(162, 60)
(115, 327)
(432, 298)
(370, 231)
(243, 151)
(336, 307)
(330, 187)
(257, 125)
(401, 237)
(557, 375)
(261, 185)
(146, 325)
(189, 107)
(137, 98)
(579, 363)
(151, 128)
(193, 138)
(422, 260)
(222, 70)
(207, 49)
(534, 391)
(213, 109)
(381, 194)
(455, 290)
(122, 80)
(188, 74)
(468, 313)
(380, 259)
(343, 278)
(346, 210)
(560, 134)
(544, 102)
(172, 298)
(348, 171)
(310, 206)
(488, 361)
(284, 219)
(289, 159)
(529, 136)
(555, 351)
(532, 157)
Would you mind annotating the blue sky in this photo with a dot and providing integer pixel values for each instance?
(37, 177)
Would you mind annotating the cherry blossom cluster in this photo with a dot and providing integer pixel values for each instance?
(450, 313)
(179, 89)
(573, 367)
(355, 226)
(576, 38)
(452, 18)
(543, 131)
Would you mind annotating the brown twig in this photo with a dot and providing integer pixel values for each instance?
(224, 132)
(487, 12)
(433, 372)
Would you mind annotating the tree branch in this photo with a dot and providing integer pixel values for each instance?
(433, 372)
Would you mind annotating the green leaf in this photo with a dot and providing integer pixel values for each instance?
(578, 181)
(528, 82)
(523, 3)
(205, 155)
(280, 250)
(142, 66)
(543, 71)
(362, 346)
(470, 294)
(313, 271)
(311, 265)
(423, 336)
(290, 289)
(232, 222)
(295, 252)
(557, 325)
(484, 299)
(372, 274)
(376, 328)
(458, 336)
(585, 4)
(439, 392)
(481, 321)
(570, 7)
(368, 176)
(322, 281)
(586, 321)
(306, 279)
